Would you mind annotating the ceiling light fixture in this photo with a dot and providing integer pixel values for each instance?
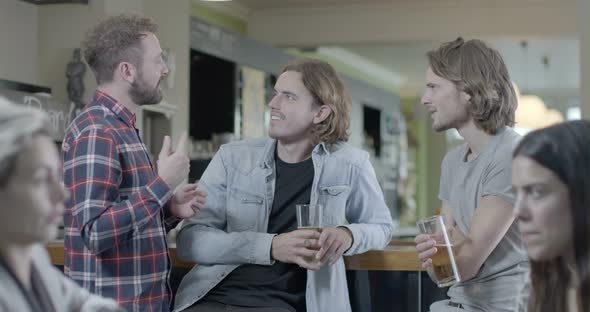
(532, 113)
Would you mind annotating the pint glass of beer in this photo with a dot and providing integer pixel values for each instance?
(444, 266)
(309, 217)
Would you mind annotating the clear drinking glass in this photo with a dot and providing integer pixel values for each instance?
(444, 266)
(309, 217)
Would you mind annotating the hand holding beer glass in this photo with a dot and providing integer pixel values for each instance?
(309, 217)
(444, 267)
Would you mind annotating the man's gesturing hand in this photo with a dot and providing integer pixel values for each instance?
(187, 201)
(173, 166)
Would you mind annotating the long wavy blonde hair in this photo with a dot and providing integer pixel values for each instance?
(478, 70)
(321, 80)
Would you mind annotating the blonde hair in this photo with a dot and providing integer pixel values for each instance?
(479, 71)
(321, 80)
(18, 126)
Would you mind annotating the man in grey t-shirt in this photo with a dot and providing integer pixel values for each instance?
(469, 89)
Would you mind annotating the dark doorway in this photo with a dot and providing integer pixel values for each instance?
(212, 95)
(372, 128)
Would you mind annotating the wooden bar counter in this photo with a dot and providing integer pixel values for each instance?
(398, 256)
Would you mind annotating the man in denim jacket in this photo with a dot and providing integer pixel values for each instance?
(245, 240)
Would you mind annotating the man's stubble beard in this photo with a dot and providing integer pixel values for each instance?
(141, 94)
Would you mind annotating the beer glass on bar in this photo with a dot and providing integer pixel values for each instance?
(309, 217)
(444, 266)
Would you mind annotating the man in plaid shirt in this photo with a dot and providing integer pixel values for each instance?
(122, 205)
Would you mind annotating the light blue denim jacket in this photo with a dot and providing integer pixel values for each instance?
(231, 229)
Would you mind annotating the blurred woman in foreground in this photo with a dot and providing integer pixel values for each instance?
(551, 177)
(31, 207)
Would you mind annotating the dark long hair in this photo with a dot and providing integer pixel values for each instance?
(565, 150)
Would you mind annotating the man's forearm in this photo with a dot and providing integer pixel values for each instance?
(207, 245)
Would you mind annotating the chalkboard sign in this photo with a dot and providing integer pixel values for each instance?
(58, 112)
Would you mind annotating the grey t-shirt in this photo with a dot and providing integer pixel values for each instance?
(499, 283)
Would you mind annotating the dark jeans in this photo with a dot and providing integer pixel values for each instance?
(220, 307)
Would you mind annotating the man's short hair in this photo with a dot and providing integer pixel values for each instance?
(321, 80)
(479, 71)
(114, 40)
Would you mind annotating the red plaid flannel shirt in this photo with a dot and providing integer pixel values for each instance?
(117, 218)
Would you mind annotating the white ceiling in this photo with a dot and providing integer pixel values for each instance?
(289, 4)
(405, 56)
(559, 78)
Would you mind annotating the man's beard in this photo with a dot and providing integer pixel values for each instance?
(142, 94)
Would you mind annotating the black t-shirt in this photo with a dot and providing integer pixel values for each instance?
(281, 284)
